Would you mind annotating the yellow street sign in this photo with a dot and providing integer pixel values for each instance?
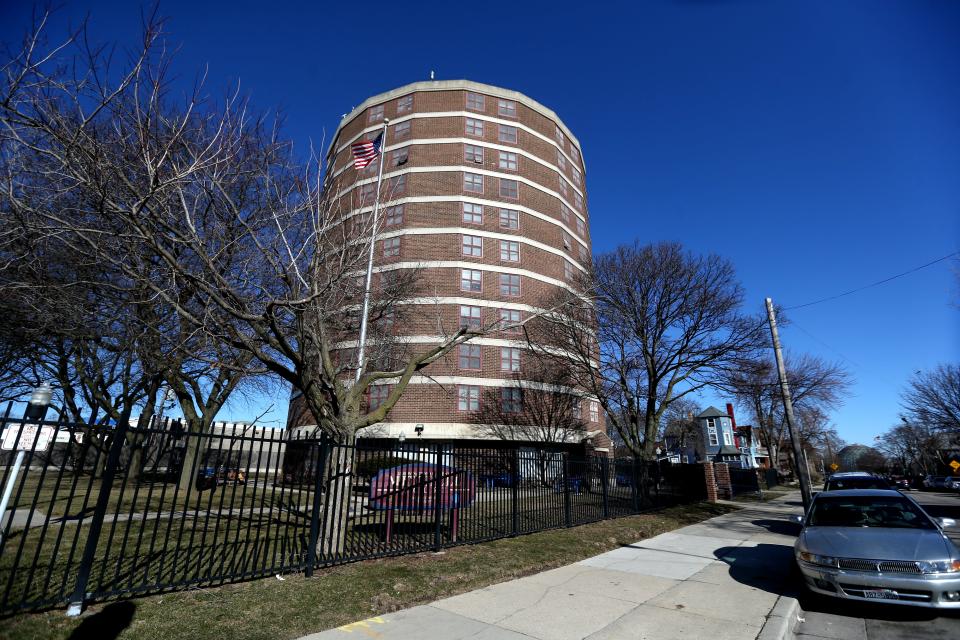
(834, 466)
(955, 465)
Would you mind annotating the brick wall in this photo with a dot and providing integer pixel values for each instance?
(724, 486)
(709, 477)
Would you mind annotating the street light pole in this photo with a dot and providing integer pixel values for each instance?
(798, 460)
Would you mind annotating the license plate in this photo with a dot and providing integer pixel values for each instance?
(880, 594)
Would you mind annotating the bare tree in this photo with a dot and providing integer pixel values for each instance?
(932, 399)
(660, 323)
(814, 384)
(544, 410)
(681, 426)
(916, 447)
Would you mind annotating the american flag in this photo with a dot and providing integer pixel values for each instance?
(366, 151)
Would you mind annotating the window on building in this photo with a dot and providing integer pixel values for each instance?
(712, 432)
(388, 281)
(405, 104)
(510, 320)
(727, 438)
(394, 215)
(472, 153)
(577, 177)
(594, 411)
(401, 130)
(507, 108)
(400, 156)
(576, 406)
(582, 251)
(568, 271)
(388, 321)
(507, 133)
(375, 113)
(559, 134)
(511, 399)
(509, 359)
(472, 213)
(578, 201)
(475, 101)
(391, 247)
(508, 161)
(471, 280)
(575, 153)
(561, 160)
(470, 316)
(377, 395)
(470, 357)
(581, 227)
(398, 184)
(509, 285)
(473, 182)
(509, 219)
(567, 241)
(474, 127)
(563, 187)
(564, 213)
(368, 192)
(468, 398)
(510, 251)
(509, 189)
(472, 246)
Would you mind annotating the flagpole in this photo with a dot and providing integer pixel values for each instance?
(373, 242)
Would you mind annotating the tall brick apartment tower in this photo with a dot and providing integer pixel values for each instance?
(484, 192)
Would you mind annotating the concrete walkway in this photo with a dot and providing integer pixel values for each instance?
(719, 579)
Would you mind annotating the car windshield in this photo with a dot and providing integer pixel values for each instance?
(865, 482)
(867, 511)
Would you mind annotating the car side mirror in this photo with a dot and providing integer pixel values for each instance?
(947, 522)
(796, 519)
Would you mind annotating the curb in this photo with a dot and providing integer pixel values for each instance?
(781, 620)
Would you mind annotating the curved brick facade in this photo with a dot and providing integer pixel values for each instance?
(476, 178)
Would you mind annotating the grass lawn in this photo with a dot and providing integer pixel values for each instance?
(270, 608)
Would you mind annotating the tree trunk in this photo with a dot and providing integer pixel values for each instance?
(335, 518)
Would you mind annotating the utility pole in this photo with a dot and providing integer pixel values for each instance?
(788, 408)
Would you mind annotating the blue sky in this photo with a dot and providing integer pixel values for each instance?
(815, 144)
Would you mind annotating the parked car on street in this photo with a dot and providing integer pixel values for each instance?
(953, 484)
(877, 545)
(900, 483)
(855, 480)
(934, 482)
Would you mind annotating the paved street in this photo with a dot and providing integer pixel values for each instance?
(719, 579)
(833, 619)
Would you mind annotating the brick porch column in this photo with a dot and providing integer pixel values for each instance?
(711, 481)
(724, 485)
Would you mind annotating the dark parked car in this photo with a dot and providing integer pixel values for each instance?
(855, 480)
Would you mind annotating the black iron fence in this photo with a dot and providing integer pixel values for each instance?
(97, 511)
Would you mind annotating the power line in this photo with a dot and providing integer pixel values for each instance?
(875, 284)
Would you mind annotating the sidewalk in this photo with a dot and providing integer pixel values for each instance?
(719, 579)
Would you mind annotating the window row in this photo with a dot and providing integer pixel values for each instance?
(508, 319)
(506, 160)
(473, 183)
(472, 247)
(478, 102)
(505, 133)
(472, 280)
(469, 358)
(404, 105)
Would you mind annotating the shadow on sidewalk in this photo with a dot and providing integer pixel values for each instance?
(783, 527)
(769, 567)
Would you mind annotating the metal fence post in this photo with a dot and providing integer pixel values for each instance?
(634, 481)
(319, 470)
(75, 605)
(604, 479)
(437, 510)
(515, 486)
(567, 516)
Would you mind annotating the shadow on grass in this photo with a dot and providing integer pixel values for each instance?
(106, 624)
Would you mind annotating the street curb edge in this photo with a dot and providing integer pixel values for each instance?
(782, 620)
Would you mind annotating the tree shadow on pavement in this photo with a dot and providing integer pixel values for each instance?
(106, 624)
(783, 527)
(769, 567)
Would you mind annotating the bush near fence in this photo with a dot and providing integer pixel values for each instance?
(107, 513)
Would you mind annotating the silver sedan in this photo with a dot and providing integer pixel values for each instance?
(877, 545)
